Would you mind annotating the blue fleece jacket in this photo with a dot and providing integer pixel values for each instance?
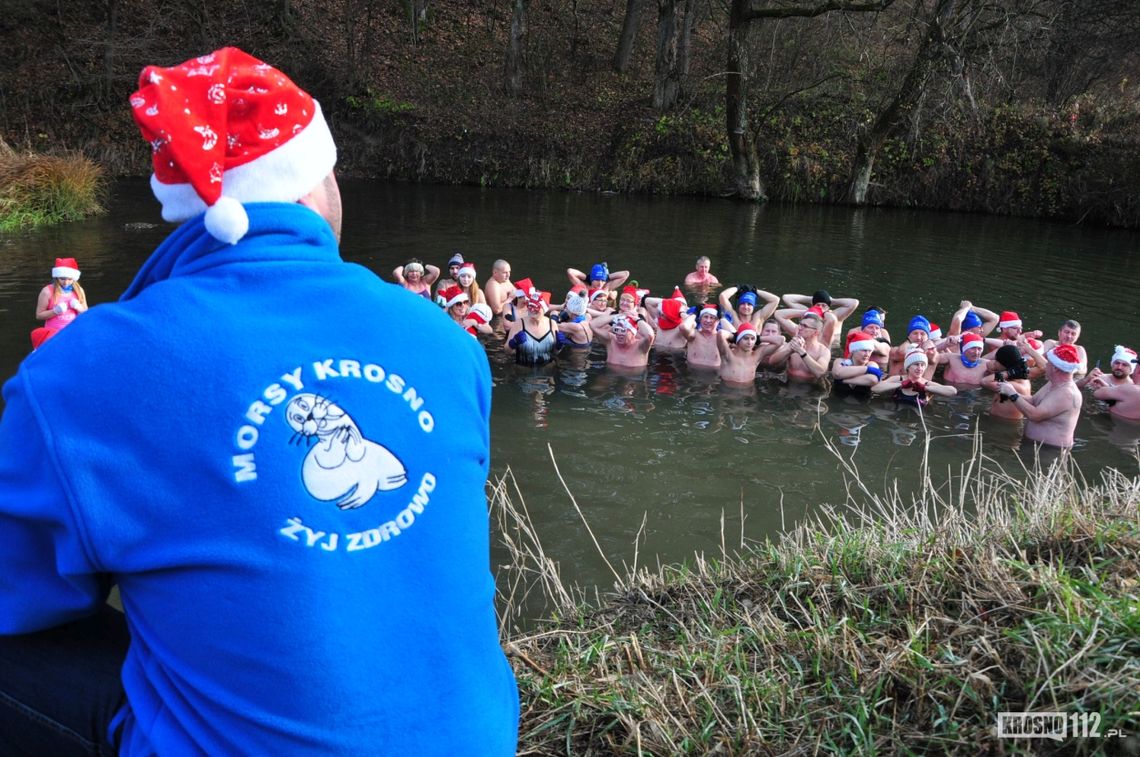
(290, 496)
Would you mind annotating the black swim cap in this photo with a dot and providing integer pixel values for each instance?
(821, 296)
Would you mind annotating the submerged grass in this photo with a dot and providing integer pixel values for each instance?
(37, 190)
(879, 626)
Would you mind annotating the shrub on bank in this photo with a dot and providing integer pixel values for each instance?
(38, 190)
(885, 628)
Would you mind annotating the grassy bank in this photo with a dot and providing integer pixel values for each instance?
(38, 190)
(880, 626)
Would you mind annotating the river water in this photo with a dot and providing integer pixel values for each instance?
(676, 449)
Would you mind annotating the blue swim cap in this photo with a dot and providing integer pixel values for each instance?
(918, 322)
(971, 321)
(872, 318)
(600, 272)
(749, 297)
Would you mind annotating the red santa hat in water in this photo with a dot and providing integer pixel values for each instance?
(227, 129)
(452, 296)
(1064, 357)
(65, 268)
(1009, 319)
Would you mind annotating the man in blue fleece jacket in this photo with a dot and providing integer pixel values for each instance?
(289, 497)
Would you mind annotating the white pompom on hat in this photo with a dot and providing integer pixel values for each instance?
(1123, 355)
(227, 129)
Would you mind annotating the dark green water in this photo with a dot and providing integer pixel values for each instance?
(674, 447)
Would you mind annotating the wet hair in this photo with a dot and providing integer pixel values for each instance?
(1071, 324)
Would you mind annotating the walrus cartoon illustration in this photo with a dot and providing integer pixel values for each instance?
(343, 467)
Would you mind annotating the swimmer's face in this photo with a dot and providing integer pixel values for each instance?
(703, 267)
(918, 336)
(747, 342)
(453, 270)
(64, 283)
(860, 357)
(460, 310)
(972, 353)
(873, 329)
(916, 369)
(597, 283)
(1068, 335)
(466, 279)
(1122, 368)
(1011, 332)
(808, 327)
(770, 329)
(598, 303)
(625, 302)
(413, 275)
(708, 321)
(745, 309)
(502, 275)
(623, 335)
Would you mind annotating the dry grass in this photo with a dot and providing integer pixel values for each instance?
(881, 626)
(37, 190)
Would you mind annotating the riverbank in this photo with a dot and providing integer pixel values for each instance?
(42, 190)
(430, 100)
(878, 627)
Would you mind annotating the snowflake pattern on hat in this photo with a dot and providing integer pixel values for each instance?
(226, 129)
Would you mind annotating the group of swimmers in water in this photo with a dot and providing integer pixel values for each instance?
(746, 331)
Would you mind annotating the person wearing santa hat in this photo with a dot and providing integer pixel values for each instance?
(1122, 370)
(738, 354)
(747, 304)
(873, 324)
(466, 282)
(1051, 413)
(702, 350)
(1011, 328)
(857, 373)
(63, 299)
(298, 573)
(966, 367)
(459, 308)
(533, 335)
(499, 290)
(628, 340)
(666, 314)
(917, 336)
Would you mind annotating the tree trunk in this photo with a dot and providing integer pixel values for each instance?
(666, 82)
(515, 48)
(871, 139)
(684, 43)
(417, 15)
(745, 163)
(107, 95)
(628, 35)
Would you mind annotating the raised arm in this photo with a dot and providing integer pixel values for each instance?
(576, 276)
(784, 318)
(431, 273)
(398, 274)
(797, 301)
(771, 302)
(616, 279)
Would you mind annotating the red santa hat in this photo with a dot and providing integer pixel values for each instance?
(815, 310)
(596, 293)
(1009, 319)
(672, 313)
(467, 268)
(679, 296)
(480, 313)
(227, 129)
(632, 291)
(452, 296)
(523, 287)
(935, 331)
(1064, 357)
(858, 341)
(971, 340)
(65, 268)
(745, 329)
(1123, 355)
(623, 322)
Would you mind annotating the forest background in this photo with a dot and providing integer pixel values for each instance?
(1020, 107)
